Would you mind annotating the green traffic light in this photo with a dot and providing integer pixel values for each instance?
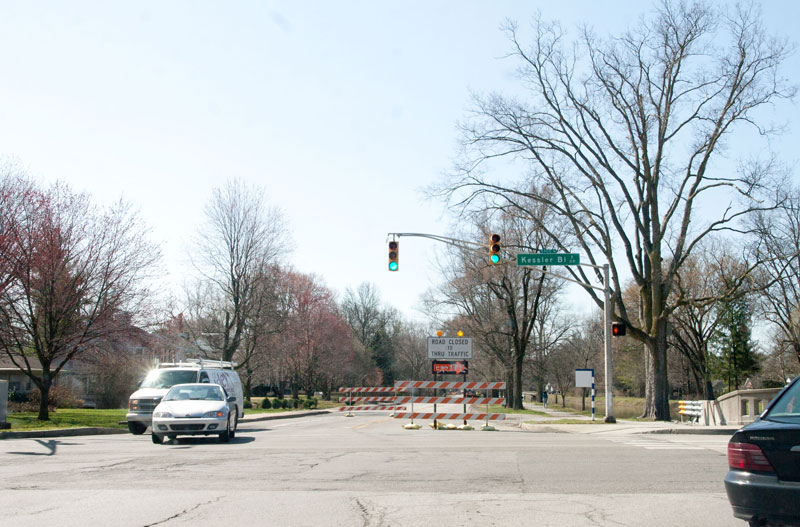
(393, 266)
(495, 258)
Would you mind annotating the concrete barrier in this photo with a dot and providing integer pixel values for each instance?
(743, 406)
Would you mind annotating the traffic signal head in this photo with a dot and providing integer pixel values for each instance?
(394, 255)
(494, 249)
(618, 329)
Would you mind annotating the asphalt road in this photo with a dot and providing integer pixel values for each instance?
(366, 471)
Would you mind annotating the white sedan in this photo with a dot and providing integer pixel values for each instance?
(195, 409)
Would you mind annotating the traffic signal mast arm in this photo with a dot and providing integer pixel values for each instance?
(481, 248)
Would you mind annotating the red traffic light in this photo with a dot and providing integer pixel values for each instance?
(618, 329)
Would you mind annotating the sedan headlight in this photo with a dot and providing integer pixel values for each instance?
(215, 413)
(162, 414)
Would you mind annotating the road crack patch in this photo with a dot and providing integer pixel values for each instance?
(184, 511)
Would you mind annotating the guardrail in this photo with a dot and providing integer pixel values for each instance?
(692, 409)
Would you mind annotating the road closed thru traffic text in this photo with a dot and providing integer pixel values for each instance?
(447, 348)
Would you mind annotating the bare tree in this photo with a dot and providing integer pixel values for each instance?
(708, 279)
(374, 325)
(503, 304)
(235, 248)
(779, 243)
(628, 134)
(71, 275)
(412, 352)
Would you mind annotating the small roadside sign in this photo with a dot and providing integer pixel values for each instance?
(584, 378)
(457, 367)
(449, 348)
(548, 259)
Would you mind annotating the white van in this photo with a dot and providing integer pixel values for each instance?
(142, 402)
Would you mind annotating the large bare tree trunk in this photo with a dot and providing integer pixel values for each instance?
(657, 385)
(516, 403)
(44, 389)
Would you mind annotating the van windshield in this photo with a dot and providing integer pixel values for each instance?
(169, 378)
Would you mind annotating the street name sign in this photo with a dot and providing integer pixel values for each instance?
(548, 259)
(449, 348)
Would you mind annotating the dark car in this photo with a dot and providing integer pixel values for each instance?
(763, 483)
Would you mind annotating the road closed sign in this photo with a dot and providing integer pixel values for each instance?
(449, 348)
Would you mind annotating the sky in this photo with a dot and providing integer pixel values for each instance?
(343, 112)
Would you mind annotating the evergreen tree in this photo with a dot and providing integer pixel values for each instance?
(737, 357)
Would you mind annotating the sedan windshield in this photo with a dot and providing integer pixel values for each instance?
(168, 378)
(787, 408)
(197, 392)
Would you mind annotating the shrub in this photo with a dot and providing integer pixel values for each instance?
(247, 404)
(60, 397)
(17, 397)
(295, 403)
(310, 403)
(266, 403)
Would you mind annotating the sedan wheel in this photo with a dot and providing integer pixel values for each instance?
(232, 433)
(157, 439)
(225, 436)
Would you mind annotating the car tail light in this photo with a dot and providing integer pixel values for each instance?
(747, 456)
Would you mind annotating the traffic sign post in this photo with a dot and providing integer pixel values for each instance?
(584, 378)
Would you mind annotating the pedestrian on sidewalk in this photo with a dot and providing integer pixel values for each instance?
(544, 399)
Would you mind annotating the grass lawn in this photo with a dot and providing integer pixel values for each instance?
(597, 421)
(68, 418)
(624, 407)
(500, 409)
(87, 417)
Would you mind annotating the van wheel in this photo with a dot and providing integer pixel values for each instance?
(225, 436)
(157, 439)
(135, 428)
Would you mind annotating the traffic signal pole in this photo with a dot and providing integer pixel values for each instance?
(607, 313)
(607, 345)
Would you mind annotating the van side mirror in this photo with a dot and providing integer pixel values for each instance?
(139, 384)
(232, 399)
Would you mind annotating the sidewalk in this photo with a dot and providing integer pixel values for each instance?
(71, 432)
(549, 423)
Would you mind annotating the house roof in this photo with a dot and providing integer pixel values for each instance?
(7, 365)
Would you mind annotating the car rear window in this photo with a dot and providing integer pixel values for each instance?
(788, 406)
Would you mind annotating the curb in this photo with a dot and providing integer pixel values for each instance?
(71, 432)
(287, 415)
(544, 426)
(63, 432)
(696, 431)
